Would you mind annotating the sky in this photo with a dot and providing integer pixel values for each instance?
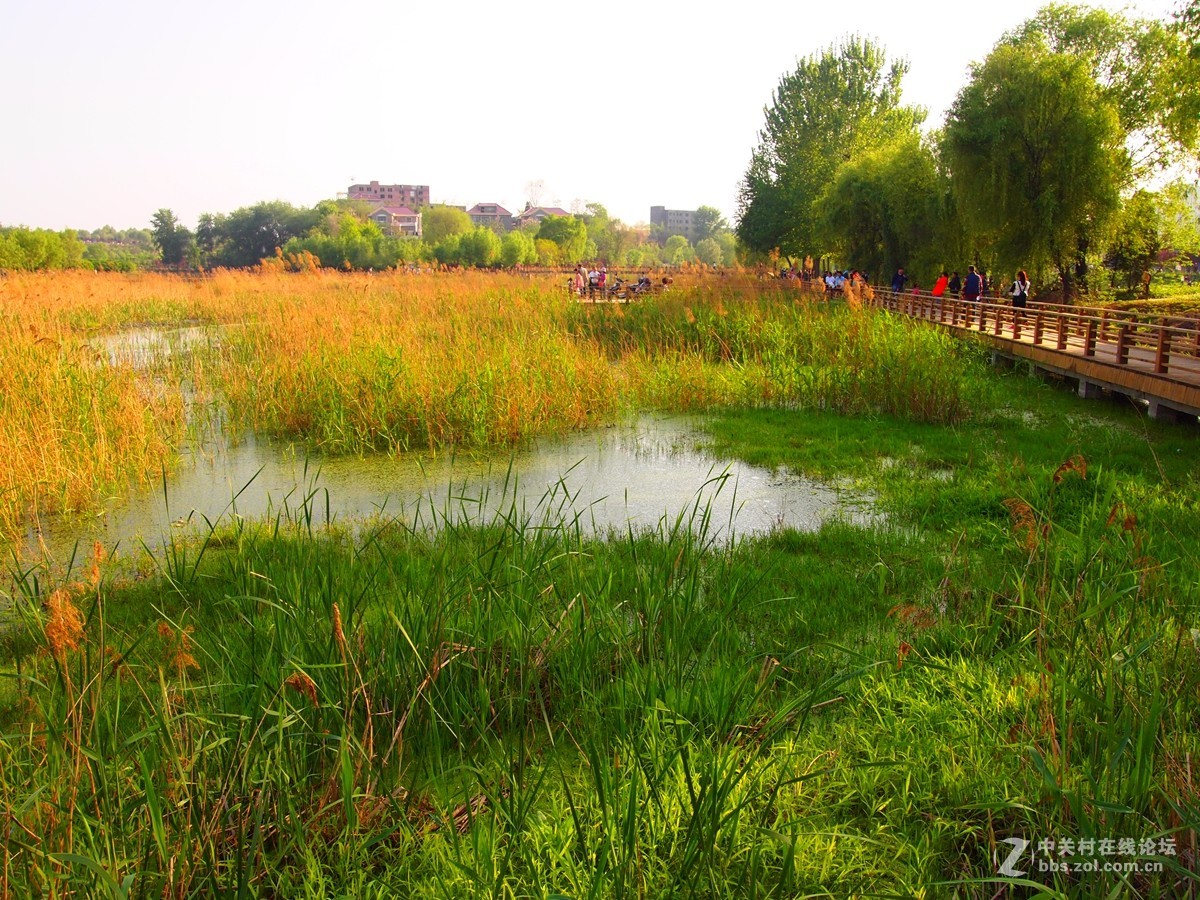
(114, 110)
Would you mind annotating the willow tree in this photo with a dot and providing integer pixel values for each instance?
(882, 210)
(834, 106)
(1037, 159)
(1140, 68)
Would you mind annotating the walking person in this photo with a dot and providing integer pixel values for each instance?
(973, 286)
(939, 286)
(955, 285)
(1020, 290)
(898, 281)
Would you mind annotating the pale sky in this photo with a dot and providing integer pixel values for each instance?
(116, 109)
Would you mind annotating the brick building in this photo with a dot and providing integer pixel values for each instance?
(414, 196)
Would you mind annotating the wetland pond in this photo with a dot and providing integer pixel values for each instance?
(648, 474)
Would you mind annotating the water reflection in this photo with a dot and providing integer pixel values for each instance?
(620, 478)
(144, 347)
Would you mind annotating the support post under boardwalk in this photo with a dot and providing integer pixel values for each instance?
(1163, 413)
(1089, 390)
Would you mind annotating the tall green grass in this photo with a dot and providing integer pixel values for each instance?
(701, 351)
(512, 707)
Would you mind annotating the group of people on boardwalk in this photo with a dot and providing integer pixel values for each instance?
(591, 280)
(971, 288)
(834, 281)
(594, 282)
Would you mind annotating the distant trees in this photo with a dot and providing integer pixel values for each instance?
(835, 106)
(677, 251)
(518, 249)
(251, 234)
(708, 223)
(567, 233)
(172, 238)
(441, 222)
(30, 249)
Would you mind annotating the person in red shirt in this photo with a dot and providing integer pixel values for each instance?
(939, 286)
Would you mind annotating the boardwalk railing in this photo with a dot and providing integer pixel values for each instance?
(1166, 347)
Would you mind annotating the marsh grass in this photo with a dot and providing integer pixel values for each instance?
(506, 705)
(392, 362)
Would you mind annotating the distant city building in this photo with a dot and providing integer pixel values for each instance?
(674, 221)
(535, 214)
(493, 215)
(414, 196)
(397, 220)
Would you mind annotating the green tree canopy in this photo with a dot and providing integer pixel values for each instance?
(479, 247)
(708, 251)
(881, 209)
(1137, 238)
(172, 239)
(677, 250)
(31, 249)
(440, 222)
(568, 232)
(708, 223)
(1136, 64)
(1037, 158)
(251, 234)
(518, 249)
(834, 106)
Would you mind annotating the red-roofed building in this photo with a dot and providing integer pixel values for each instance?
(493, 215)
(535, 214)
(397, 220)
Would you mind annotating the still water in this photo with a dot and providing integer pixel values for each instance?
(641, 476)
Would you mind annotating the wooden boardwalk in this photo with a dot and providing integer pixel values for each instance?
(1156, 359)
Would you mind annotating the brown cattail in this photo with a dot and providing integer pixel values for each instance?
(1075, 464)
(302, 684)
(1024, 523)
(338, 634)
(64, 623)
(97, 558)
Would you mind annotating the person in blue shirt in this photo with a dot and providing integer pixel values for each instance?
(898, 280)
(973, 286)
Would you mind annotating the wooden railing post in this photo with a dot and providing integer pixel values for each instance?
(1037, 327)
(1163, 351)
(1123, 344)
(1089, 337)
(1062, 332)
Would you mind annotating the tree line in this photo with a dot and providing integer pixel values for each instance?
(340, 234)
(1045, 161)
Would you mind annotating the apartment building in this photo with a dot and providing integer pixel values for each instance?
(674, 221)
(414, 196)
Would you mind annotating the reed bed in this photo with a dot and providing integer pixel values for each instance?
(355, 363)
(72, 428)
